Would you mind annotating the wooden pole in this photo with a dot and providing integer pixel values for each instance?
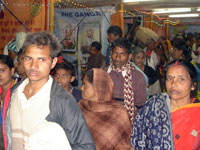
(122, 16)
(118, 17)
(51, 24)
(151, 22)
(167, 29)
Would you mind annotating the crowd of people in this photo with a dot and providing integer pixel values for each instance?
(140, 96)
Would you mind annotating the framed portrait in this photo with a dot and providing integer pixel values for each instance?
(89, 32)
(69, 37)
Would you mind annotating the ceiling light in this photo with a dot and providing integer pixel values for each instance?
(198, 9)
(171, 10)
(132, 1)
(183, 15)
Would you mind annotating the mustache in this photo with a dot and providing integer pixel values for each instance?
(33, 71)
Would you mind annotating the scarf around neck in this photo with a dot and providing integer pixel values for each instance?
(128, 88)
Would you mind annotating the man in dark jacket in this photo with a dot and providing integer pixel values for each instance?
(39, 98)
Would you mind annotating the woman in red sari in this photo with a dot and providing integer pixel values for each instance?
(185, 114)
(6, 82)
(171, 120)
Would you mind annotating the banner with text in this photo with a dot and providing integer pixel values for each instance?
(31, 14)
(78, 28)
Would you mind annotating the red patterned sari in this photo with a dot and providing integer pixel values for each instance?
(186, 127)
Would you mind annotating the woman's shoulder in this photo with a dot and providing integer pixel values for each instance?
(158, 99)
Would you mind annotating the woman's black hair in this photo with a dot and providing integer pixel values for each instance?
(181, 45)
(90, 74)
(7, 61)
(191, 70)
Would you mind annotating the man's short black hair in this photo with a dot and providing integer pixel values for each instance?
(116, 30)
(97, 45)
(20, 52)
(123, 43)
(66, 66)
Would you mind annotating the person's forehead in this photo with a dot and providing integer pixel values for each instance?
(178, 70)
(111, 34)
(37, 50)
(121, 49)
(93, 48)
(3, 65)
(63, 71)
(140, 54)
(35, 46)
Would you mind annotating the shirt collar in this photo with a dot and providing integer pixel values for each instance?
(123, 72)
(45, 86)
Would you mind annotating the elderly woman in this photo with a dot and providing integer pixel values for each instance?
(107, 119)
(153, 77)
(171, 120)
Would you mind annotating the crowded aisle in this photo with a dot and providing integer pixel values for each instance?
(100, 75)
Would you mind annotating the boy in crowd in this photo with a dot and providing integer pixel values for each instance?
(65, 74)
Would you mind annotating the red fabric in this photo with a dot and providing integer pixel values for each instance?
(185, 121)
(148, 52)
(60, 60)
(46, 14)
(6, 102)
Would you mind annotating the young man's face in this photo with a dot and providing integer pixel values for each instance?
(93, 50)
(151, 45)
(64, 78)
(120, 56)
(177, 53)
(38, 63)
(111, 37)
(19, 66)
